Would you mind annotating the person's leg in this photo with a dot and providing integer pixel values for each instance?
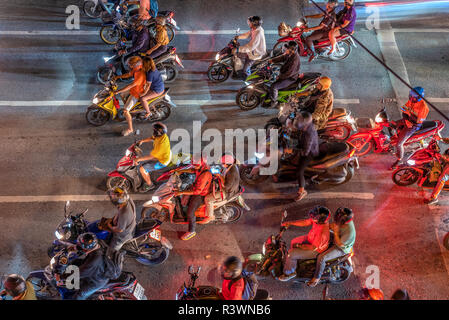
(276, 86)
(333, 34)
(146, 98)
(88, 289)
(402, 138)
(302, 165)
(316, 35)
(330, 254)
(194, 203)
(209, 201)
(126, 112)
(145, 171)
(442, 180)
(291, 262)
(158, 52)
(145, 175)
(247, 66)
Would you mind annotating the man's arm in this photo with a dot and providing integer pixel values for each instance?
(127, 88)
(315, 16)
(298, 223)
(245, 35)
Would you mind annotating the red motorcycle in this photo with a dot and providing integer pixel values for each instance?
(342, 50)
(381, 135)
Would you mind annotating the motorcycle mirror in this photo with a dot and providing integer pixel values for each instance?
(237, 31)
(284, 215)
(137, 132)
(84, 212)
(198, 271)
(190, 269)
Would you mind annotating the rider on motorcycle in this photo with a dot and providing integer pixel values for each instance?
(158, 45)
(233, 284)
(344, 238)
(322, 30)
(140, 39)
(18, 288)
(136, 88)
(289, 73)
(201, 188)
(256, 48)
(414, 112)
(346, 19)
(147, 8)
(309, 246)
(154, 86)
(444, 175)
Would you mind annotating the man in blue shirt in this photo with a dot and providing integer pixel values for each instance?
(154, 86)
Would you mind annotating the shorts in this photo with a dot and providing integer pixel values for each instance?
(152, 166)
(130, 102)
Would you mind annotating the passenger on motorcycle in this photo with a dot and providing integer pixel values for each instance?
(158, 45)
(444, 175)
(201, 188)
(123, 223)
(154, 86)
(371, 294)
(309, 246)
(344, 237)
(322, 30)
(140, 39)
(136, 88)
(414, 112)
(18, 288)
(400, 294)
(305, 149)
(147, 8)
(289, 73)
(346, 19)
(229, 186)
(159, 157)
(233, 284)
(255, 49)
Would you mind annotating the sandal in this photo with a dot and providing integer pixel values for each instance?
(126, 132)
(301, 196)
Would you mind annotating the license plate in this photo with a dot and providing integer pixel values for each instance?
(156, 234)
(138, 291)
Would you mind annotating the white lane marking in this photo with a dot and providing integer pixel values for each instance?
(248, 196)
(439, 100)
(415, 30)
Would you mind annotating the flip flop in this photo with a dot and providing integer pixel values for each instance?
(126, 133)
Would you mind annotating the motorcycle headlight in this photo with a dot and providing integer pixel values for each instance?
(263, 249)
(411, 162)
(259, 155)
(52, 262)
(155, 199)
(95, 100)
(217, 57)
(106, 59)
(128, 153)
(350, 119)
(378, 119)
(299, 23)
(251, 87)
(58, 235)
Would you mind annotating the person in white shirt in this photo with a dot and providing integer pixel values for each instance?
(256, 48)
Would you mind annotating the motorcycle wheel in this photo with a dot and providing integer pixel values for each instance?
(109, 35)
(218, 73)
(114, 182)
(236, 212)
(344, 50)
(91, 9)
(446, 241)
(362, 148)
(343, 274)
(341, 133)
(171, 71)
(163, 109)
(153, 213)
(104, 75)
(405, 176)
(43, 290)
(152, 255)
(246, 178)
(246, 100)
(272, 124)
(97, 116)
(278, 49)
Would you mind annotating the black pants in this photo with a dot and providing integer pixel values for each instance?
(302, 165)
(194, 203)
(278, 85)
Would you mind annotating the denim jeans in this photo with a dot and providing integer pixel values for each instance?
(330, 254)
(277, 85)
(88, 288)
(403, 137)
(247, 63)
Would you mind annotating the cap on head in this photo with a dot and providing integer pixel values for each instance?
(343, 215)
(325, 83)
(118, 196)
(416, 94)
(320, 214)
(87, 241)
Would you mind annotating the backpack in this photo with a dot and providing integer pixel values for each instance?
(251, 284)
(113, 265)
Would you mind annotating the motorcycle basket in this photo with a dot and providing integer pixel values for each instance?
(284, 29)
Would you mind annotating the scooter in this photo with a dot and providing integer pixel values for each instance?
(342, 50)
(106, 9)
(164, 206)
(191, 291)
(127, 175)
(106, 106)
(274, 253)
(381, 136)
(147, 247)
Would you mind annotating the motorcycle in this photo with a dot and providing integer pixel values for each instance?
(226, 63)
(190, 291)
(106, 9)
(335, 164)
(274, 253)
(343, 46)
(120, 28)
(105, 106)
(339, 126)
(164, 206)
(117, 64)
(257, 92)
(128, 176)
(381, 136)
(147, 247)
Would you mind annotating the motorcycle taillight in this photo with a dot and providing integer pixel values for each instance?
(116, 103)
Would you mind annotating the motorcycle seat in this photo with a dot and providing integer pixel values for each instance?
(337, 113)
(145, 226)
(326, 41)
(427, 126)
(330, 150)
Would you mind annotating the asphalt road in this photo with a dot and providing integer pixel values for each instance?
(50, 150)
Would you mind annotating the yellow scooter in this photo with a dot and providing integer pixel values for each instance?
(105, 105)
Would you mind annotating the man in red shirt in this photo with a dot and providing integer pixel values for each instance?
(233, 283)
(308, 246)
(201, 189)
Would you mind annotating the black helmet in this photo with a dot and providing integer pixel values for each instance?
(232, 268)
(400, 294)
(446, 152)
(319, 214)
(87, 241)
(118, 196)
(159, 129)
(14, 285)
(255, 20)
(343, 215)
(292, 45)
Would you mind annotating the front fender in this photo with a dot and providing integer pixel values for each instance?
(116, 174)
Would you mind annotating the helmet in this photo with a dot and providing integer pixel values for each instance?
(159, 129)
(87, 241)
(161, 20)
(320, 215)
(343, 215)
(14, 285)
(232, 268)
(400, 294)
(134, 61)
(255, 20)
(135, 23)
(118, 196)
(325, 82)
(227, 158)
(372, 294)
(303, 119)
(416, 94)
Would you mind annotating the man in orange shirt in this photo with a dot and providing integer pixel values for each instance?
(136, 88)
(414, 112)
(233, 283)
